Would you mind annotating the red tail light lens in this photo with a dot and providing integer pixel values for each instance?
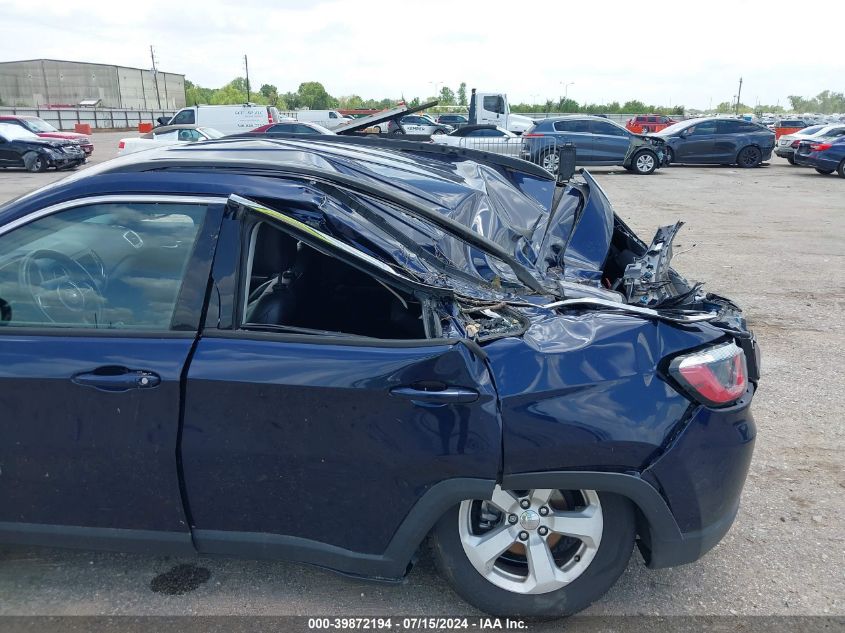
(527, 135)
(795, 143)
(820, 147)
(716, 376)
(121, 145)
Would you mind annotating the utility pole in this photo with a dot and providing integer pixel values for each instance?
(246, 68)
(738, 96)
(155, 75)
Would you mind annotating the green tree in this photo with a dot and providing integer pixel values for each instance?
(313, 95)
(270, 93)
(447, 96)
(462, 94)
(635, 107)
(352, 102)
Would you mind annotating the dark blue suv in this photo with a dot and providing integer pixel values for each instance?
(719, 141)
(597, 141)
(334, 351)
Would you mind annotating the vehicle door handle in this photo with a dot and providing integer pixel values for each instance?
(435, 396)
(117, 379)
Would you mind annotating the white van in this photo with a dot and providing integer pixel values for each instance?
(327, 118)
(229, 119)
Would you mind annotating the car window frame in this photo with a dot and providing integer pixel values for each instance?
(330, 247)
(595, 128)
(190, 307)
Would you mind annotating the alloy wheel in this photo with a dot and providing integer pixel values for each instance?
(531, 541)
(749, 157)
(645, 163)
(551, 162)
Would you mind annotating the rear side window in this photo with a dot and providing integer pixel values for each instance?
(608, 129)
(575, 125)
(184, 117)
(292, 287)
(486, 133)
(728, 127)
(105, 266)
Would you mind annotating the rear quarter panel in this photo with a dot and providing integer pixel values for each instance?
(583, 391)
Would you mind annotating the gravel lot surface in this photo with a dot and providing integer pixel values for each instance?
(773, 239)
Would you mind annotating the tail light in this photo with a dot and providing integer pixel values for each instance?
(795, 144)
(528, 135)
(121, 145)
(716, 376)
(820, 147)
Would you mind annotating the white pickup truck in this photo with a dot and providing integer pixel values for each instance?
(492, 108)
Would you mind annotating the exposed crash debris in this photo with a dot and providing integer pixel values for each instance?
(490, 321)
(649, 280)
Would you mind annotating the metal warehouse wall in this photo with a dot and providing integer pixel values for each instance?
(52, 82)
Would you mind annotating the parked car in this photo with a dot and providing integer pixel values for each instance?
(21, 148)
(488, 138)
(825, 155)
(166, 135)
(787, 144)
(455, 120)
(327, 355)
(228, 119)
(789, 126)
(645, 123)
(41, 128)
(419, 124)
(719, 141)
(291, 127)
(597, 141)
(326, 118)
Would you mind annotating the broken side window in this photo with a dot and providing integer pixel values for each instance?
(294, 287)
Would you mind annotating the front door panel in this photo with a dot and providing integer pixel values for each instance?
(80, 455)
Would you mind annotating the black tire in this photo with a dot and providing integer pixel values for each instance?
(790, 159)
(748, 157)
(34, 162)
(611, 558)
(439, 131)
(644, 130)
(825, 172)
(397, 132)
(641, 164)
(841, 169)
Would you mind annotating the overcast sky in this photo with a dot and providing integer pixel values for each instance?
(669, 54)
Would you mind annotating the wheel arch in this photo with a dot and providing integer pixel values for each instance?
(753, 144)
(659, 538)
(658, 533)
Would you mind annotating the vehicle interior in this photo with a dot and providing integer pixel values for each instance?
(294, 287)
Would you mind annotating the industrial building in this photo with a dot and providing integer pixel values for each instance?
(51, 82)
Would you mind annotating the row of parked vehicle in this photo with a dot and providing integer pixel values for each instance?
(35, 145)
